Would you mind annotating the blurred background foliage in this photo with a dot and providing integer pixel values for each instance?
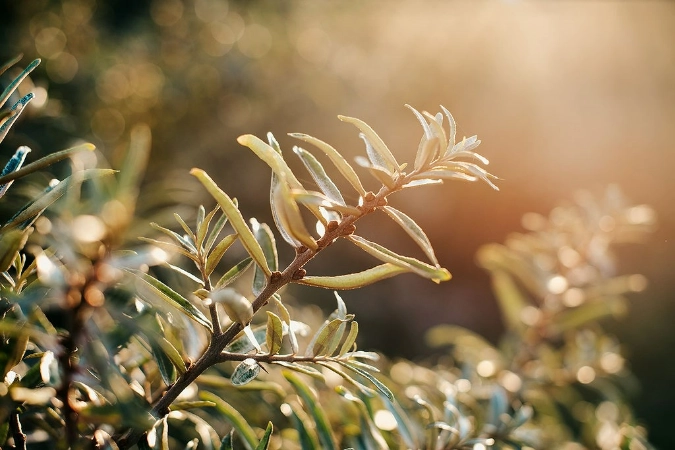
(564, 95)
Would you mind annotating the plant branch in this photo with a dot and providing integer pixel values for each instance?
(17, 432)
(293, 272)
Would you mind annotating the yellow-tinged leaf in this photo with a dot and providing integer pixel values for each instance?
(271, 157)
(336, 158)
(236, 219)
(413, 230)
(435, 274)
(274, 334)
(355, 280)
(218, 251)
(289, 215)
(378, 144)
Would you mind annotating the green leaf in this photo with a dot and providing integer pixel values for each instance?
(365, 390)
(511, 299)
(217, 228)
(226, 443)
(191, 238)
(218, 252)
(51, 194)
(245, 372)
(177, 238)
(234, 272)
(413, 230)
(350, 339)
(11, 243)
(15, 83)
(181, 406)
(234, 417)
(172, 353)
(203, 225)
(378, 384)
(322, 179)
(435, 274)
(354, 280)
(274, 334)
(265, 238)
(378, 145)
(236, 219)
(134, 164)
(265, 441)
(166, 368)
(403, 422)
(306, 437)
(368, 424)
(302, 368)
(184, 272)
(171, 247)
(336, 158)
(157, 292)
(323, 426)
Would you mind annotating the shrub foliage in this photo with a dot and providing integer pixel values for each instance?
(169, 342)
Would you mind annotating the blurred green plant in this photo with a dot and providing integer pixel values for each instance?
(110, 347)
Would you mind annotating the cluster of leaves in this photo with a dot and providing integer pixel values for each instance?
(166, 345)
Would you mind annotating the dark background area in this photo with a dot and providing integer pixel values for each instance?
(564, 96)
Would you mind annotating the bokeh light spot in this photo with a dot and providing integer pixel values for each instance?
(107, 124)
(50, 41)
(255, 42)
(586, 374)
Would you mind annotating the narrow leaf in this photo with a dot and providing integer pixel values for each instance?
(286, 318)
(270, 156)
(378, 145)
(435, 274)
(306, 437)
(185, 273)
(236, 219)
(368, 392)
(203, 225)
(218, 252)
(317, 172)
(158, 291)
(378, 384)
(427, 153)
(217, 228)
(413, 230)
(166, 368)
(355, 280)
(234, 417)
(274, 334)
(171, 247)
(15, 83)
(242, 343)
(177, 238)
(265, 238)
(17, 109)
(265, 441)
(336, 158)
(301, 368)
(4, 69)
(234, 273)
(50, 195)
(289, 216)
(13, 165)
(323, 426)
(453, 129)
(348, 344)
(134, 164)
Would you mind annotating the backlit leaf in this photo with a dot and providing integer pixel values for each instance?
(413, 230)
(319, 174)
(265, 238)
(336, 158)
(236, 219)
(218, 252)
(378, 173)
(155, 291)
(265, 441)
(348, 344)
(50, 195)
(315, 198)
(234, 272)
(355, 280)
(378, 144)
(290, 218)
(323, 426)
(436, 274)
(378, 384)
(274, 334)
(327, 338)
(234, 417)
(203, 225)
